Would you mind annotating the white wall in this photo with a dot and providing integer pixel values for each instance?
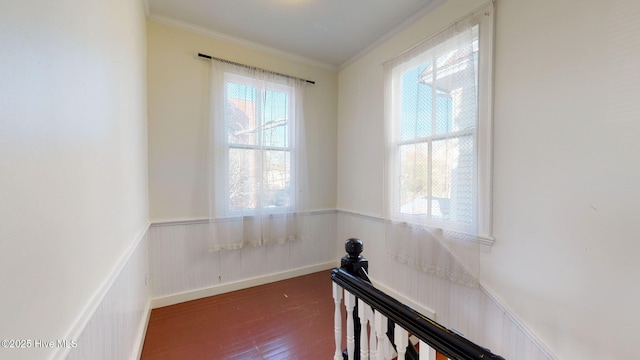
(566, 166)
(567, 170)
(178, 118)
(117, 326)
(182, 267)
(73, 166)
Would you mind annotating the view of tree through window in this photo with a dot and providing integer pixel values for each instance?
(258, 136)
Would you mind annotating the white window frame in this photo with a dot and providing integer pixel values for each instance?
(483, 138)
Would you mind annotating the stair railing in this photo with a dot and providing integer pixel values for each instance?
(390, 322)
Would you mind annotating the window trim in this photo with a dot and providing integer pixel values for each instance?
(485, 126)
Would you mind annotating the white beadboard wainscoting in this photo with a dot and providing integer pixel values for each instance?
(113, 327)
(182, 268)
(475, 312)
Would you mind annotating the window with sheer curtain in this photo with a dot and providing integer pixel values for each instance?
(438, 149)
(256, 157)
(435, 127)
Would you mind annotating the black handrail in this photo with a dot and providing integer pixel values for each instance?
(353, 277)
(435, 335)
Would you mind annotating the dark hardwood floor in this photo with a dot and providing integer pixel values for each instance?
(290, 319)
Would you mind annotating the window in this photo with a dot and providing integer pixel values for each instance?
(257, 158)
(258, 118)
(439, 130)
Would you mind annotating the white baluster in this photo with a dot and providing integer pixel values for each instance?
(381, 329)
(363, 314)
(372, 339)
(401, 339)
(350, 303)
(337, 321)
(427, 352)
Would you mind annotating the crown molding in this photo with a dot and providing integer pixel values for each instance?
(405, 24)
(165, 20)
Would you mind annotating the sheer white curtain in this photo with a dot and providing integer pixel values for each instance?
(431, 130)
(257, 157)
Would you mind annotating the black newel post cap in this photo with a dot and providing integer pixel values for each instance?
(353, 262)
(353, 247)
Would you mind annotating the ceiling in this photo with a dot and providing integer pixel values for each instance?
(328, 32)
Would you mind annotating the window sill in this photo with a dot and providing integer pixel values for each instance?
(486, 242)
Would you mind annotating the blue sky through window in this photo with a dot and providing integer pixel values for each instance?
(417, 107)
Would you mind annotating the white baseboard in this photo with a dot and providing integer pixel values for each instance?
(238, 285)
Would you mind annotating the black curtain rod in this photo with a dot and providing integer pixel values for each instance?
(253, 67)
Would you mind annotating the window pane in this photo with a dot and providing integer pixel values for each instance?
(414, 167)
(257, 117)
(454, 76)
(243, 168)
(453, 179)
(275, 109)
(276, 179)
(443, 113)
(416, 105)
(251, 170)
(242, 114)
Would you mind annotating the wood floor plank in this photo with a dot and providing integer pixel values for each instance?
(290, 319)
